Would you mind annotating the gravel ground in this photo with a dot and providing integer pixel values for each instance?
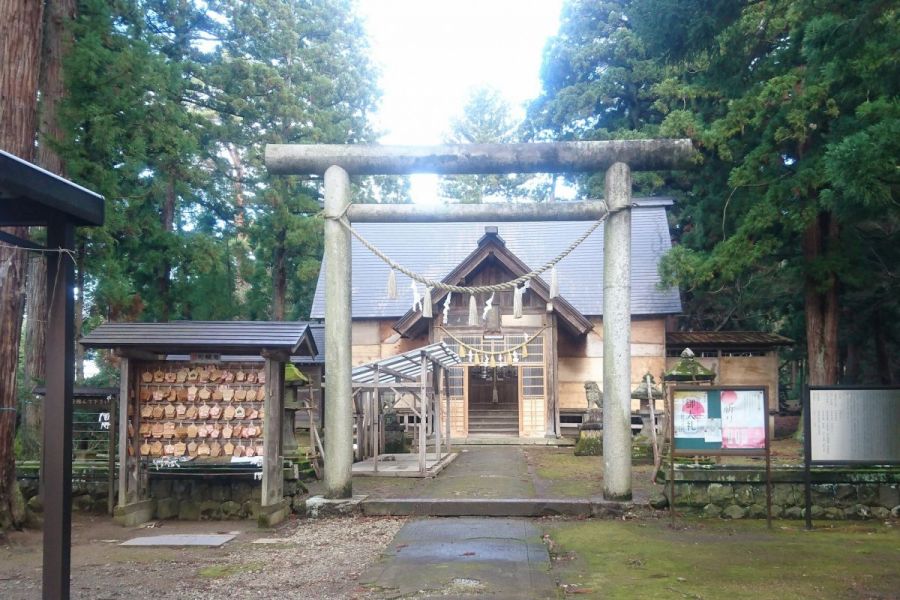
(314, 559)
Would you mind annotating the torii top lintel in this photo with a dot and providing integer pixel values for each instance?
(460, 159)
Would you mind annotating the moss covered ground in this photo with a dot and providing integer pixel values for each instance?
(649, 559)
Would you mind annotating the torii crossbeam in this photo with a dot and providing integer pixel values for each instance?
(618, 158)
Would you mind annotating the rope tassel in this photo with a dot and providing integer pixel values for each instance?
(426, 304)
(392, 285)
(473, 311)
(554, 283)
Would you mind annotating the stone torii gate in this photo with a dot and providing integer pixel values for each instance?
(618, 158)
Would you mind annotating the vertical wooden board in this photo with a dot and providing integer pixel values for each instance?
(273, 478)
(124, 398)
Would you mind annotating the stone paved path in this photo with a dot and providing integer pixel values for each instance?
(468, 557)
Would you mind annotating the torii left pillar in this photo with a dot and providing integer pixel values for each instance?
(338, 318)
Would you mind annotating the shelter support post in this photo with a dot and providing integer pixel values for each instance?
(446, 375)
(617, 336)
(273, 462)
(111, 458)
(376, 415)
(339, 392)
(124, 471)
(423, 415)
(436, 411)
(57, 446)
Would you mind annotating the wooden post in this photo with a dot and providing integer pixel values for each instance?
(338, 315)
(376, 412)
(423, 413)
(617, 336)
(111, 459)
(125, 485)
(273, 462)
(446, 376)
(57, 434)
(436, 402)
(552, 429)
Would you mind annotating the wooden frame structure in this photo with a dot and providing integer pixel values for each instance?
(274, 341)
(421, 373)
(336, 163)
(31, 196)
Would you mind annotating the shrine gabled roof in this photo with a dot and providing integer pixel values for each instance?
(435, 249)
(492, 247)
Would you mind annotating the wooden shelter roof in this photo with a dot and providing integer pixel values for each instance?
(406, 366)
(29, 195)
(707, 339)
(225, 337)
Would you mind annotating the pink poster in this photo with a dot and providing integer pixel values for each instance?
(743, 419)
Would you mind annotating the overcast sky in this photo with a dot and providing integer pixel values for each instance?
(432, 52)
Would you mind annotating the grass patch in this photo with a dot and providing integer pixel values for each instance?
(223, 571)
(568, 475)
(614, 559)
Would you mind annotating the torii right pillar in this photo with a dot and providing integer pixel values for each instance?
(617, 335)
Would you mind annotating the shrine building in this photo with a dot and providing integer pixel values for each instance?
(521, 375)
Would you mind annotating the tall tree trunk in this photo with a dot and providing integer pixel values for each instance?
(79, 314)
(279, 277)
(882, 355)
(35, 335)
(164, 283)
(821, 303)
(58, 14)
(20, 45)
(241, 287)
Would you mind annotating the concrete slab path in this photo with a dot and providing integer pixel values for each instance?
(464, 558)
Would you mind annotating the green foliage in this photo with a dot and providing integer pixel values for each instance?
(793, 106)
(487, 118)
(170, 106)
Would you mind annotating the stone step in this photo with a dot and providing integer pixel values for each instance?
(499, 507)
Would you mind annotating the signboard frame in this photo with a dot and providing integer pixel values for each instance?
(764, 451)
(808, 462)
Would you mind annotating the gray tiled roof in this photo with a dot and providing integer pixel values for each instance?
(234, 337)
(434, 249)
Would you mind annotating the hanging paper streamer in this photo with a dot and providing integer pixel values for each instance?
(515, 357)
(517, 300)
(554, 283)
(487, 308)
(426, 304)
(417, 299)
(473, 311)
(392, 285)
(447, 309)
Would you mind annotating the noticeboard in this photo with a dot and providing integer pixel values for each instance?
(719, 420)
(853, 425)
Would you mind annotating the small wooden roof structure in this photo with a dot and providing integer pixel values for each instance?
(416, 372)
(224, 337)
(733, 339)
(688, 368)
(31, 196)
(406, 366)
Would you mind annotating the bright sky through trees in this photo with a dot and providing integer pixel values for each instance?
(432, 52)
